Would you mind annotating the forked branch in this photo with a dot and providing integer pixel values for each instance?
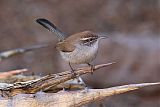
(33, 86)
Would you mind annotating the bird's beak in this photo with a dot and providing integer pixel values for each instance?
(103, 37)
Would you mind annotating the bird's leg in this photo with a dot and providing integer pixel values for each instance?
(92, 67)
(79, 79)
(72, 70)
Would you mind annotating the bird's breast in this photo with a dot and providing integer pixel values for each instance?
(81, 54)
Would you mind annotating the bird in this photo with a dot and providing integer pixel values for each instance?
(78, 48)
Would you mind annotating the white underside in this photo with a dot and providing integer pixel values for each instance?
(81, 55)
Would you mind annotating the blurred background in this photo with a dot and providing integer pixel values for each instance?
(133, 28)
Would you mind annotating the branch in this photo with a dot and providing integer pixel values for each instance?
(17, 51)
(33, 86)
(11, 73)
(68, 99)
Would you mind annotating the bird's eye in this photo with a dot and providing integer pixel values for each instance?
(91, 39)
(87, 40)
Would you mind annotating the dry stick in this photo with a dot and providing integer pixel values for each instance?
(34, 86)
(93, 95)
(17, 51)
(79, 98)
(68, 99)
(11, 73)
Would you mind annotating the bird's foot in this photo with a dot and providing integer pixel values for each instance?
(75, 75)
(92, 67)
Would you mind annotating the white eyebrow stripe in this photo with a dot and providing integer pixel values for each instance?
(87, 38)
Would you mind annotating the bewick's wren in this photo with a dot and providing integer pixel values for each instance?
(79, 48)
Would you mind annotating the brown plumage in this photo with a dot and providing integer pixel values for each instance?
(79, 48)
(67, 44)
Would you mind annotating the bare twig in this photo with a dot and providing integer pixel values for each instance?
(13, 52)
(11, 73)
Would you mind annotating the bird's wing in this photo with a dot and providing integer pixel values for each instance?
(65, 47)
